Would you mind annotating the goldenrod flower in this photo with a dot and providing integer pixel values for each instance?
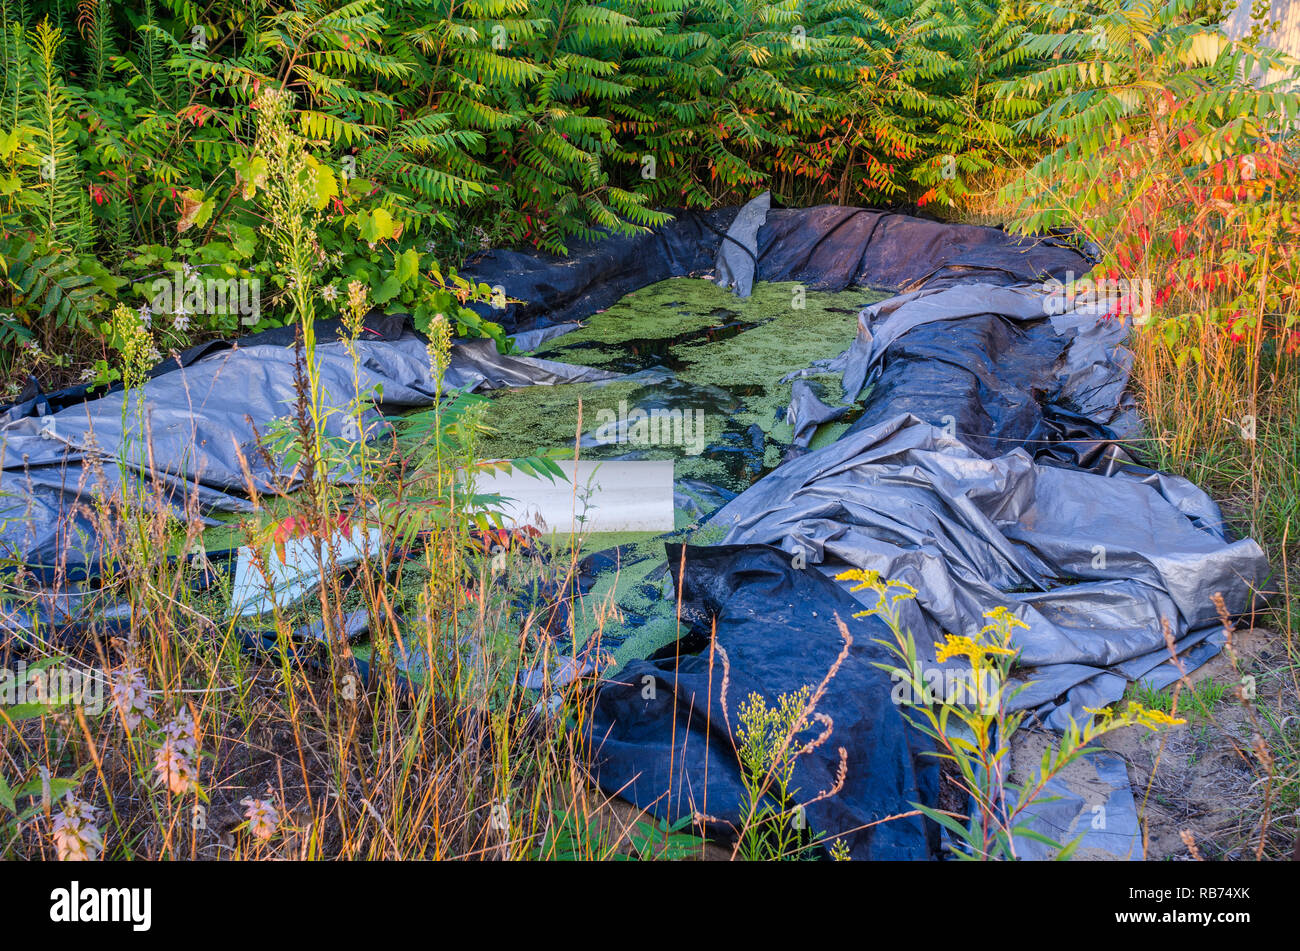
(135, 344)
(956, 646)
(1152, 719)
(1002, 621)
(439, 334)
(867, 579)
(358, 298)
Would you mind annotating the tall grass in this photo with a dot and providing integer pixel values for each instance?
(430, 749)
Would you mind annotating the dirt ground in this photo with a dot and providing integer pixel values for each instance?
(1201, 778)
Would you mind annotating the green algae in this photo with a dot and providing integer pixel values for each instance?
(525, 421)
(718, 354)
(692, 346)
(827, 433)
(232, 528)
(703, 348)
(660, 311)
(593, 542)
(630, 608)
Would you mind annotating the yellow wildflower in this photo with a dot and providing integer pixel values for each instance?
(905, 590)
(966, 647)
(866, 579)
(1002, 621)
(1152, 719)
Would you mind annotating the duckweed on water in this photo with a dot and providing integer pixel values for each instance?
(691, 346)
(686, 345)
(705, 350)
(524, 421)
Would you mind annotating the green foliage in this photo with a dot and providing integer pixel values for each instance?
(1128, 84)
(574, 836)
(1204, 696)
(769, 742)
(973, 726)
(1172, 150)
(42, 286)
(434, 128)
(769, 747)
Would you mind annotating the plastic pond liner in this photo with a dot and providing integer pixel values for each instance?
(894, 394)
(687, 345)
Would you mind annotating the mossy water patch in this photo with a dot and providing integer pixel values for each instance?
(686, 345)
(531, 419)
(696, 349)
(689, 347)
(629, 608)
(637, 330)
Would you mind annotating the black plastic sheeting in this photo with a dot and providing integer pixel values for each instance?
(661, 724)
(189, 428)
(829, 247)
(983, 361)
(965, 475)
(832, 247)
(1091, 563)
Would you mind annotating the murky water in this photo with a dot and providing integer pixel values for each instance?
(691, 351)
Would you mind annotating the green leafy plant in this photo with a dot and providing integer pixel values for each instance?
(973, 730)
(1171, 158)
(774, 828)
(578, 836)
(434, 129)
(43, 286)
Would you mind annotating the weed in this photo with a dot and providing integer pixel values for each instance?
(974, 731)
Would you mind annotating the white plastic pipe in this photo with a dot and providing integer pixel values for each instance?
(624, 496)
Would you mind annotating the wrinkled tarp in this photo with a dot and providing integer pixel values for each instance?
(190, 427)
(832, 247)
(737, 260)
(805, 413)
(665, 738)
(1091, 563)
(978, 359)
(545, 289)
(1092, 801)
(263, 584)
